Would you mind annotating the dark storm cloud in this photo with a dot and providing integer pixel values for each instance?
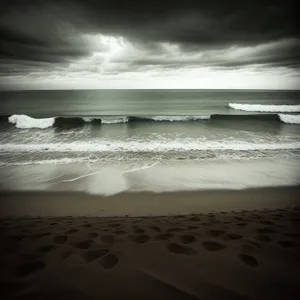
(282, 53)
(52, 31)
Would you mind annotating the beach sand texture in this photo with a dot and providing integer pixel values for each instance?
(252, 254)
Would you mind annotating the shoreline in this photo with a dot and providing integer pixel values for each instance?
(48, 203)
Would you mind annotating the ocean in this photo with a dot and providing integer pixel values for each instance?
(148, 140)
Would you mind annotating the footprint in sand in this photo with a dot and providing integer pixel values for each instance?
(60, 239)
(187, 239)
(195, 219)
(216, 232)
(84, 244)
(212, 246)
(179, 249)
(164, 236)
(87, 225)
(109, 261)
(288, 244)
(29, 267)
(248, 260)
(91, 255)
(140, 239)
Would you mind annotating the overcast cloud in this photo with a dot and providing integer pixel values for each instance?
(163, 44)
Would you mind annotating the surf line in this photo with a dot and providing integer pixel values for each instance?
(98, 172)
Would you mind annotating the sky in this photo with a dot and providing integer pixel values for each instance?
(114, 44)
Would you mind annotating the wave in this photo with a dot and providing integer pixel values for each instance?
(114, 120)
(23, 121)
(179, 118)
(153, 146)
(265, 108)
(290, 119)
(26, 122)
(245, 117)
(107, 120)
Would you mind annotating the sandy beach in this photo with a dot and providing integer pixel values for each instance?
(149, 150)
(227, 253)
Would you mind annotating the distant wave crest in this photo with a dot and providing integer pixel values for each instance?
(290, 119)
(265, 108)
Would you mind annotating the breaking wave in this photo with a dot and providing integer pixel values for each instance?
(107, 120)
(26, 122)
(23, 121)
(290, 119)
(265, 108)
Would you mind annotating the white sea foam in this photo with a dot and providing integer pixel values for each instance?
(179, 118)
(114, 120)
(153, 146)
(59, 161)
(290, 119)
(265, 108)
(109, 181)
(23, 121)
(107, 120)
(88, 119)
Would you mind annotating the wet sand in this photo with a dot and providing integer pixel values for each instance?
(48, 203)
(226, 254)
